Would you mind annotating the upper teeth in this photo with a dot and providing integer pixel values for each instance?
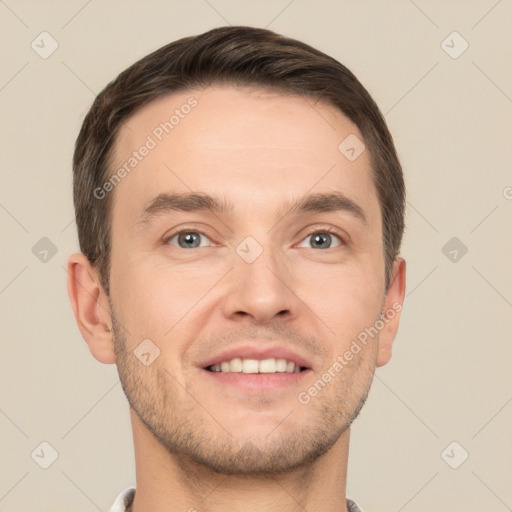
(255, 366)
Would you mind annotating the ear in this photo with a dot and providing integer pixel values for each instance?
(391, 310)
(91, 308)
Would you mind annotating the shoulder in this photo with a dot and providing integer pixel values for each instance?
(123, 500)
(352, 506)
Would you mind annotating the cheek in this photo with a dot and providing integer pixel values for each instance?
(143, 300)
(347, 299)
(157, 299)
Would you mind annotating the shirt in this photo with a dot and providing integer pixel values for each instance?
(125, 499)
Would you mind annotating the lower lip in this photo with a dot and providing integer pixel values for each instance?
(259, 381)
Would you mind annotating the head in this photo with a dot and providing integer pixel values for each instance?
(238, 188)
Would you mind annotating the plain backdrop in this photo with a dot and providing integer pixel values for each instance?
(440, 72)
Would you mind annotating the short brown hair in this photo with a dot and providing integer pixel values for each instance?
(241, 56)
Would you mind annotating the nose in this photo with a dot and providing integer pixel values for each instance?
(262, 289)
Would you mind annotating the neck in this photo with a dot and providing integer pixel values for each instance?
(169, 482)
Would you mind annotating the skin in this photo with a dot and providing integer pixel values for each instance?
(207, 445)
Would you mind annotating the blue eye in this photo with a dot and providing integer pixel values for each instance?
(322, 240)
(188, 239)
(194, 239)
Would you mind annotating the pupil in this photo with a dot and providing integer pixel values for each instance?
(190, 239)
(321, 240)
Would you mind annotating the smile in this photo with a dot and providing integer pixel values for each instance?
(246, 365)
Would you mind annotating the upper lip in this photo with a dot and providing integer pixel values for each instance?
(258, 352)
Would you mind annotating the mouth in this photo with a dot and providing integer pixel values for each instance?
(257, 369)
(256, 366)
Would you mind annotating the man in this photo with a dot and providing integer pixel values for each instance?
(240, 209)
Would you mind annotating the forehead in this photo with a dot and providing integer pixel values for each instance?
(253, 146)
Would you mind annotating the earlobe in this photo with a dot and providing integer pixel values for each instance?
(90, 307)
(391, 311)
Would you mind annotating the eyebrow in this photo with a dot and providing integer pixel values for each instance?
(200, 201)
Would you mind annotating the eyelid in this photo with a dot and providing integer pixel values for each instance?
(325, 229)
(167, 238)
(185, 228)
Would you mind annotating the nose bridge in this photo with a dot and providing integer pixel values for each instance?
(261, 283)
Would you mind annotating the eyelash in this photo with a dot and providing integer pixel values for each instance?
(322, 230)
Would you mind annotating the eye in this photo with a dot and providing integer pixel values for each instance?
(322, 239)
(188, 239)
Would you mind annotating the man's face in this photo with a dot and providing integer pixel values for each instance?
(257, 280)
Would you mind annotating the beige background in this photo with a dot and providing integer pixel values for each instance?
(449, 379)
